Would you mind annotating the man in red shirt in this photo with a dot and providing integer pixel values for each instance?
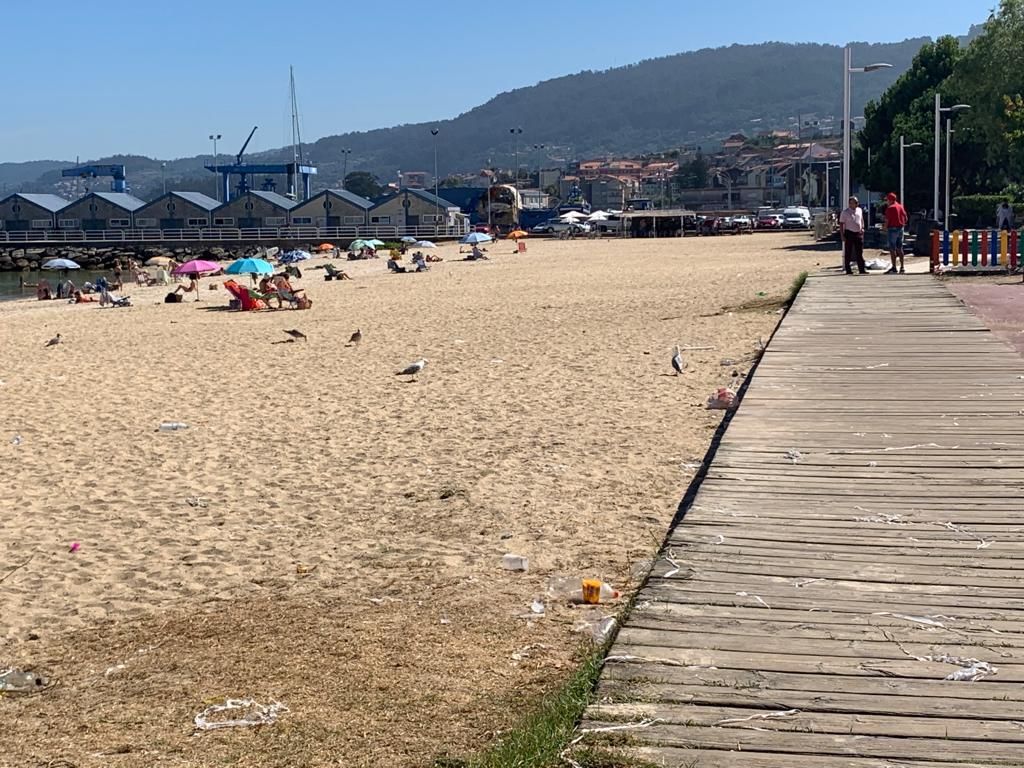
(895, 221)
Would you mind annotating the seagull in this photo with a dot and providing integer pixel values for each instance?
(54, 341)
(297, 334)
(413, 369)
(355, 338)
(677, 360)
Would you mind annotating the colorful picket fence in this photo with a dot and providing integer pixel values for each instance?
(976, 248)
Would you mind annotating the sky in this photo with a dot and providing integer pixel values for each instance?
(92, 79)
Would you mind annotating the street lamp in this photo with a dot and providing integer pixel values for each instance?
(163, 178)
(437, 210)
(516, 133)
(903, 146)
(214, 137)
(847, 71)
(828, 183)
(939, 109)
(344, 166)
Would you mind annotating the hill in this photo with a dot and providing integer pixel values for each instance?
(657, 104)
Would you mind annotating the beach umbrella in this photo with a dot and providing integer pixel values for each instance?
(197, 267)
(158, 261)
(375, 243)
(515, 234)
(408, 239)
(598, 216)
(325, 247)
(473, 238)
(358, 245)
(62, 264)
(572, 216)
(425, 244)
(250, 267)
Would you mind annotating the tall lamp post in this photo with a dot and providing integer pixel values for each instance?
(163, 177)
(437, 210)
(939, 111)
(344, 166)
(903, 147)
(516, 133)
(214, 137)
(848, 70)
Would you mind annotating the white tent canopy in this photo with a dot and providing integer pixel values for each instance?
(573, 216)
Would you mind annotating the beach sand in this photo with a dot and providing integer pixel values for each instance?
(328, 535)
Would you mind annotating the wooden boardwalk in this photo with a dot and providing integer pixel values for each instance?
(857, 542)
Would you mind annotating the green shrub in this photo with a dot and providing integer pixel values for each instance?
(979, 211)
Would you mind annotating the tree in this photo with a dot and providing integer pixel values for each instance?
(906, 109)
(693, 174)
(364, 184)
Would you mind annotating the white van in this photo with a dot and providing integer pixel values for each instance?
(790, 215)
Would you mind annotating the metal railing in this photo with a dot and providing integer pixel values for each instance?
(229, 235)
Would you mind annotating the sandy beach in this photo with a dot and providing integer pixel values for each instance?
(328, 535)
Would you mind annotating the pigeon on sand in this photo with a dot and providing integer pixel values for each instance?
(355, 338)
(297, 334)
(54, 341)
(412, 370)
(677, 360)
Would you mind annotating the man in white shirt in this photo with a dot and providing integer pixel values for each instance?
(851, 227)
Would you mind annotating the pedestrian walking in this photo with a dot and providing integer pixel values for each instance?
(851, 227)
(1004, 217)
(895, 221)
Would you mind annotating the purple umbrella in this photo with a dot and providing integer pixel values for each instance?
(196, 268)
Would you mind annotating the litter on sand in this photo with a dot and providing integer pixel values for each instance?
(18, 681)
(723, 399)
(254, 714)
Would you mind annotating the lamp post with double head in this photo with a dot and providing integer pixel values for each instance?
(215, 137)
(939, 111)
(344, 167)
(849, 69)
(516, 133)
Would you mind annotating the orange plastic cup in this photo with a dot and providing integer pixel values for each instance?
(592, 591)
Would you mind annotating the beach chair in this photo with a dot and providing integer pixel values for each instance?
(107, 298)
(288, 296)
(251, 300)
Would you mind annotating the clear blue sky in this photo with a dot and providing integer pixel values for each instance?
(156, 78)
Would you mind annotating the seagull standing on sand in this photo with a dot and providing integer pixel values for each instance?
(54, 341)
(355, 338)
(677, 360)
(295, 334)
(413, 370)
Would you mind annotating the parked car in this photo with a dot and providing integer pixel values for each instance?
(794, 220)
(769, 221)
(557, 226)
(709, 225)
(742, 224)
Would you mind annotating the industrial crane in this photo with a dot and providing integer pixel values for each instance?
(244, 170)
(119, 183)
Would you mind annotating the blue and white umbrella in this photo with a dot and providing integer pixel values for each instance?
(473, 238)
(60, 264)
(425, 244)
(250, 267)
(408, 239)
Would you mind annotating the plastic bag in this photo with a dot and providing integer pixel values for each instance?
(723, 399)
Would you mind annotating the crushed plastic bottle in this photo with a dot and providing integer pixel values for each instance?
(511, 562)
(16, 440)
(172, 426)
(17, 681)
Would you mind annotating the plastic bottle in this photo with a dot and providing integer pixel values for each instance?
(16, 681)
(172, 426)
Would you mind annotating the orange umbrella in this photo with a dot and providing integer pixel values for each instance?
(325, 247)
(515, 234)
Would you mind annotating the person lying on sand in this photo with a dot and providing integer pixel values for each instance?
(79, 298)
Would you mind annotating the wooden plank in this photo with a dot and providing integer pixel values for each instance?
(848, 584)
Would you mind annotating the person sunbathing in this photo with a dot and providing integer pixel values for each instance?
(281, 283)
(192, 287)
(79, 298)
